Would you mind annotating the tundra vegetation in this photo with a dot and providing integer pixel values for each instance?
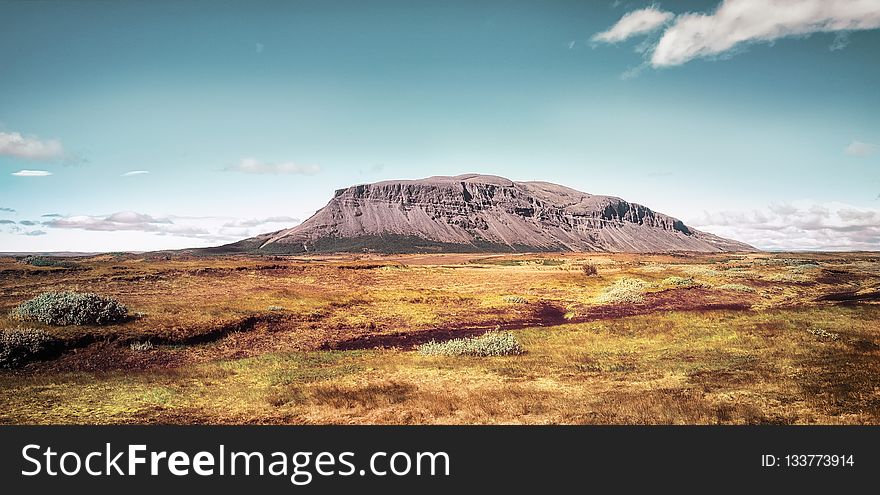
(70, 308)
(452, 338)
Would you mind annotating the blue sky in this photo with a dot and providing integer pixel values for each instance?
(243, 117)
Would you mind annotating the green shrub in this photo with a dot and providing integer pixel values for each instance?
(44, 261)
(680, 282)
(823, 334)
(142, 346)
(804, 267)
(20, 345)
(624, 290)
(488, 344)
(700, 271)
(71, 308)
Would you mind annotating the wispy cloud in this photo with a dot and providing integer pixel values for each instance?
(737, 23)
(125, 220)
(34, 232)
(52, 215)
(29, 147)
(798, 225)
(634, 23)
(259, 48)
(253, 222)
(135, 172)
(6, 222)
(254, 166)
(211, 230)
(28, 222)
(841, 41)
(32, 173)
(858, 148)
(10, 210)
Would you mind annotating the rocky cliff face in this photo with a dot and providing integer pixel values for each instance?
(484, 213)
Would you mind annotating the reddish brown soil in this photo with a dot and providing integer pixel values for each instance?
(549, 315)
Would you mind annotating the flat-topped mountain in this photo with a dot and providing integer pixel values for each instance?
(482, 213)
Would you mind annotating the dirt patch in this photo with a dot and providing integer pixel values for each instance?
(851, 297)
(548, 315)
(543, 314)
(96, 353)
(692, 299)
(107, 356)
(837, 277)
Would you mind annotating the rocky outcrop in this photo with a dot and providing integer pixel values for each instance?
(484, 213)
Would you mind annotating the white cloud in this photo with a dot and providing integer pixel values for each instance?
(736, 23)
(254, 166)
(634, 23)
(135, 172)
(32, 173)
(125, 220)
(858, 148)
(253, 222)
(801, 225)
(29, 147)
(207, 230)
(34, 233)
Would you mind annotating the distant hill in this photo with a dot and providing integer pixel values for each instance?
(481, 213)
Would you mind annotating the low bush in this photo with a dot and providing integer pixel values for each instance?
(680, 282)
(515, 300)
(589, 270)
(823, 334)
(624, 290)
(142, 346)
(700, 271)
(71, 308)
(44, 261)
(804, 267)
(20, 345)
(488, 344)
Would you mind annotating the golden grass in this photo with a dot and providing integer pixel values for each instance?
(684, 355)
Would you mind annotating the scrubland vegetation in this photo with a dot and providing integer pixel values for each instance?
(70, 308)
(645, 339)
(488, 344)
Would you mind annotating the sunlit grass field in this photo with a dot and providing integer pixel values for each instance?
(607, 338)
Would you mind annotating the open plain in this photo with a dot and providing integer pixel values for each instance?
(606, 338)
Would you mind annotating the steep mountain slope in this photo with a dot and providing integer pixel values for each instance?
(470, 213)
